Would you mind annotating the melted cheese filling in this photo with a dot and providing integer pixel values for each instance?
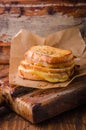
(58, 77)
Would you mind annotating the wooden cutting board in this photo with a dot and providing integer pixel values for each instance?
(38, 105)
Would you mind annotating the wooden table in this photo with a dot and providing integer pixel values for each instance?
(71, 120)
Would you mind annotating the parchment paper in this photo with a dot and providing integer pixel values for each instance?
(66, 39)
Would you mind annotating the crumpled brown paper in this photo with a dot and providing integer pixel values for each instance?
(66, 39)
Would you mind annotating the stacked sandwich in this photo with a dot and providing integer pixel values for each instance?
(47, 63)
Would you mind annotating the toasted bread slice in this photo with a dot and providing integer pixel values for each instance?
(53, 66)
(45, 69)
(48, 54)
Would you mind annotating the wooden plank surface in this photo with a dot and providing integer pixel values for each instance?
(15, 15)
(27, 10)
(38, 7)
(10, 25)
(71, 120)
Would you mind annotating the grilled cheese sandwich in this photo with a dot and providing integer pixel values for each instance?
(47, 64)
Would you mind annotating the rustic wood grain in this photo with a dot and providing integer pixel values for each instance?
(15, 15)
(38, 7)
(71, 120)
(4, 49)
(9, 26)
(38, 11)
(43, 104)
(3, 74)
(1, 99)
(60, 2)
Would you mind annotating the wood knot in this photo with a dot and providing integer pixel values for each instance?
(36, 106)
(7, 9)
(15, 2)
(21, 11)
(51, 11)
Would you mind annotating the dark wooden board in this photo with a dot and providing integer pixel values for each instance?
(71, 120)
(38, 105)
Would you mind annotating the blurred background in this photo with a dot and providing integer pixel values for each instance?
(38, 16)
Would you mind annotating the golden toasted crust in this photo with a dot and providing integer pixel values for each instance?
(53, 66)
(48, 54)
